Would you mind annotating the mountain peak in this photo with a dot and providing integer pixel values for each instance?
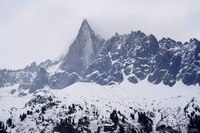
(85, 27)
(85, 22)
(83, 50)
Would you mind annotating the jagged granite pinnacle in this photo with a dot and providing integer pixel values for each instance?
(83, 50)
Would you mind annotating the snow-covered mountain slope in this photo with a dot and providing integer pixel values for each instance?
(90, 107)
(128, 83)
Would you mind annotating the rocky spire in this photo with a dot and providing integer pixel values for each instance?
(83, 50)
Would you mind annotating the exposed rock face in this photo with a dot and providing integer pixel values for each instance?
(83, 50)
(40, 81)
(136, 57)
(81, 53)
(62, 79)
(129, 56)
(32, 68)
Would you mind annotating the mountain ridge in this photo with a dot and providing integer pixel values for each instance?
(134, 56)
(132, 83)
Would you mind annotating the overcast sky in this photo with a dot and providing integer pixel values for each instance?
(36, 30)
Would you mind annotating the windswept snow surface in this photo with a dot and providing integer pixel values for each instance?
(125, 97)
(127, 94)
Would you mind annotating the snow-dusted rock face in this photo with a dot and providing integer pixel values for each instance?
(22, 76)
(31, 77)
(40, 81)
(136, 56)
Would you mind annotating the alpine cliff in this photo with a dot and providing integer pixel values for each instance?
(83, 50)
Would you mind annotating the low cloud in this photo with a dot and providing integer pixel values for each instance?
(39, 30)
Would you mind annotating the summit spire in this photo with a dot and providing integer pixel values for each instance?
(85, 29)
(85, 22)
(83, 50)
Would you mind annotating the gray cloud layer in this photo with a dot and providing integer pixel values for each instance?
(38, 30)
